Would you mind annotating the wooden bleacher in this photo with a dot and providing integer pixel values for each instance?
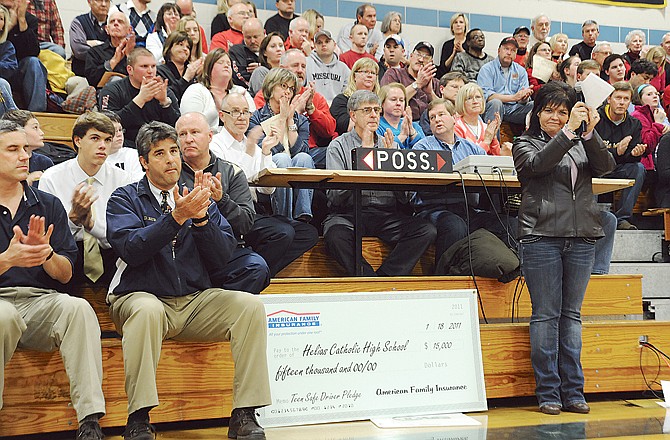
(195, 379)
(57, 127)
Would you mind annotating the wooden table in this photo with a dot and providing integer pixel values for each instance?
(356, 181)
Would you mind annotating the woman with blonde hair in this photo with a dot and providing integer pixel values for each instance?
(470, 125)
(656, 55)
(190, 25)
(397, 116)
(315, 20)
(215, 82)
(458, 25)
(290, 131)
(9, 66)
(559, 46)
(363, 76)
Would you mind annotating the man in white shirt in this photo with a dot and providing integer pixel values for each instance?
(84, 185)
(277, 239)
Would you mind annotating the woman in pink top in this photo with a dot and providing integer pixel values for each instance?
(652, 118)
(469, 125)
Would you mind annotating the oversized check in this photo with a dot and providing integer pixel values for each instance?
(353, 356)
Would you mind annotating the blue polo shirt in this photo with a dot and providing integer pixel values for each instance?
(493, 79)
(36, 202)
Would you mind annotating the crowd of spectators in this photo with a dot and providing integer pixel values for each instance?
(174, 111)
(151, 65)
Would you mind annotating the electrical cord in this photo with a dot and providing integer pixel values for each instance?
(657, 350)
(510, 239)
(658, 371)
(472, 270)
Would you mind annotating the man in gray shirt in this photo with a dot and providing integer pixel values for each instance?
(409, 235)
(473, 57)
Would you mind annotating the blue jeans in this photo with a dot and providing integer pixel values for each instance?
(631, 170)
(31, 79)
(604, 245)
(450, 228)
(7, 98)
(512, 112)
(557, 270)
(282, 198)
(53, 47)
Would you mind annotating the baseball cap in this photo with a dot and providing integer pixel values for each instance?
(425, 45)
(509, 40)
(397, 39)
(521, 29)
(323, 32)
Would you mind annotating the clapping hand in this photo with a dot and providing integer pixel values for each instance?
(192, 204)
(622, 146)
(82, 200)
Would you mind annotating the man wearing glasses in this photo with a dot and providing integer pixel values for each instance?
(278, 239)
(238, 14)
(409, 235)
(473, 57)
(418, 77)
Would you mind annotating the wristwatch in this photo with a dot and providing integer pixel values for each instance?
(168, 103)
(292, 127)
(415, 86)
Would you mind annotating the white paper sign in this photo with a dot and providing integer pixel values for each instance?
(355, 356)
(543, 68)
(595, 90)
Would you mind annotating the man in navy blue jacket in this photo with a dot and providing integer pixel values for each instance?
(169, 242)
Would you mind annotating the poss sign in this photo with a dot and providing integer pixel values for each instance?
(384, 159)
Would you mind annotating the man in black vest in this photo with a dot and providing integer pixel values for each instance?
(88, 30)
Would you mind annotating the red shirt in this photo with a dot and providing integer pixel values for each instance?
(226, 39)
(350, 57)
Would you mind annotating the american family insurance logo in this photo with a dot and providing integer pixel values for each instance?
(288, 319)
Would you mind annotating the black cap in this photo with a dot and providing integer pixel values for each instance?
(425, 45)
(509, 40)
(521, 29)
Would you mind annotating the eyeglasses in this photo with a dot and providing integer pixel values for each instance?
(366, 72)
(423, 56)
(368, 110)
(237, 113)
(287, 87)
(101, 2)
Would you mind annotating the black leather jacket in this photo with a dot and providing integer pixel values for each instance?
(550, 206)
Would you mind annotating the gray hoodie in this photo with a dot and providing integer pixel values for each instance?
(330, 79)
